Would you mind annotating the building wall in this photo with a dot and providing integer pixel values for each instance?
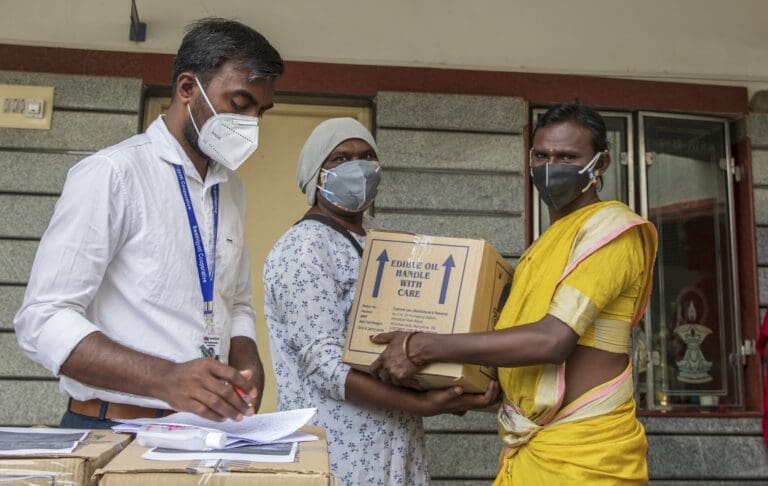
(464, 157)
(757, 128)
(89, 113)
(691, 40)
(453, 166)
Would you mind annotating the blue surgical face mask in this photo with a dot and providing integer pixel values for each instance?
(351, 186)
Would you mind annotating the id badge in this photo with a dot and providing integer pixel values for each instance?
(212, 345)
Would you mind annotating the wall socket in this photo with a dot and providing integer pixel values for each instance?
(26, 106)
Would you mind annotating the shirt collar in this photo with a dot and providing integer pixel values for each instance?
(169, 149)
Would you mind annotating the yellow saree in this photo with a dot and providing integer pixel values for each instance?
(596, 439)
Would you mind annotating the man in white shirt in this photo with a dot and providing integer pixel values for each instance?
(140, 294)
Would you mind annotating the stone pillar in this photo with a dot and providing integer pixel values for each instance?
(757, 130)
(453, 167)
(90, 113)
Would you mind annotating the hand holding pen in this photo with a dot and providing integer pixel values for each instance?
(240, 392)
(204, 387)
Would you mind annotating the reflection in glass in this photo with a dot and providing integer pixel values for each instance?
(691, 311)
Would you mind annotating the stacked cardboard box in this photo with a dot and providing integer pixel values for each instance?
(75, 469)
(311, 468)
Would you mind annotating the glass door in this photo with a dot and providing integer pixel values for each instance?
(691, 328)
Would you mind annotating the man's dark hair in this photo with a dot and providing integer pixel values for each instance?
(210, 42)
(580, 114)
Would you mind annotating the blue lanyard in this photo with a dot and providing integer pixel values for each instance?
(205, 273)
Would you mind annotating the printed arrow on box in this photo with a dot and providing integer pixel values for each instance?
(382, 259)
(448, 264)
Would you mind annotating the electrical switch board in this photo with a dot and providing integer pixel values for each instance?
(26, 106)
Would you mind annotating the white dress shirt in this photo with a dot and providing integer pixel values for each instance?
(118, 257)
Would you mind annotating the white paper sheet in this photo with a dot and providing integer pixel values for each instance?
(297, 436)
(249, 453)
(25, 441)
(262, 428)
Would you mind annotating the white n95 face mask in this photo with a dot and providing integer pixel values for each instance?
(227, 138)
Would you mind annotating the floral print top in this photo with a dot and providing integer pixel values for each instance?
(309, 284)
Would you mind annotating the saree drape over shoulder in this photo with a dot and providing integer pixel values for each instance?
(592, 270)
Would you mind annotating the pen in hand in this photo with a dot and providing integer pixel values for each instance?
(240, 392)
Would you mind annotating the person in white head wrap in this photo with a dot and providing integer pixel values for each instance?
(375, 435)
(323, 139)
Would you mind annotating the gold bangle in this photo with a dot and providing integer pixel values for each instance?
(405, 345)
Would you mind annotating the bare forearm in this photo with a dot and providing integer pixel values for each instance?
(362, 389)
(496, 348)
(366, 390)
(202, 386)
(547, 341)
(98, 361)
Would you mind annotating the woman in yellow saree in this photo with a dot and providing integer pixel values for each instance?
(562, 341)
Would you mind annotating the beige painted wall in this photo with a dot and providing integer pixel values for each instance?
(274, 200)
(691, 40)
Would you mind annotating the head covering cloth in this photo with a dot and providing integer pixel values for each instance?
(321, 142)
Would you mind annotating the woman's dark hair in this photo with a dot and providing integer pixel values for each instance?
(580, 114)
(210, 42)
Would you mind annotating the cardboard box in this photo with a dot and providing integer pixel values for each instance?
(311, 468)
(75, 469)
(431, 284)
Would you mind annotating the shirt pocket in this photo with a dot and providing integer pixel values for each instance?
(229, 259)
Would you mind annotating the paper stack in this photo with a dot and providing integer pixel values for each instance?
(19, 441)
(268, 437)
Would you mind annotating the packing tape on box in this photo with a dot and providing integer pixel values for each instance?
(206, 477)
(32, 476)
(207, 468)
(422, 247)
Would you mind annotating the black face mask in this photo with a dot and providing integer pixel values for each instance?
(560, 184)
